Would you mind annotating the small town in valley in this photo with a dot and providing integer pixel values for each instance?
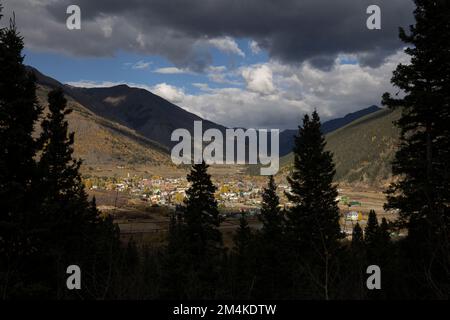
(142, 204)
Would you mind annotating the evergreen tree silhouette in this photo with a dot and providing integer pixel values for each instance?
(203, 239)
(64, 202)
(101, 251)
(386, 258)
(242, 239)
(272, 258)
(175, 260)
(383, 233)
(315, 216)
(357, 237)
(357, 265)
(371, 231)
(271, 217)
(19, 112)
(422, 191)
(378, 250)
(241, 258)
(71, 225)
(201, 215)
(313, 222)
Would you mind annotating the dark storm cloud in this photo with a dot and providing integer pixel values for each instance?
(291, 31)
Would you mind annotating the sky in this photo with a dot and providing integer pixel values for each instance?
(246, 63)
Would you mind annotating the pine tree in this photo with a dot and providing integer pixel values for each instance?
(383, 233)
(371, 231)
(101, 253)
(71, 226)
(203, 239)
(175, 260)
(422, 191)
(63, 199)
(272, 257)
(372, 239)
(357, 237)
(313, 222)
(356, 265)
(201, 213)
(19, 112)
(315, 216)
(242, 238)
(46, 222)
(241, 258)
(130, 270)
(271, 216)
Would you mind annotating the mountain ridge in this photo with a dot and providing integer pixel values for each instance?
(101, 142)
(114, 127)
(287, 136)
(141, 110)
(362, 150)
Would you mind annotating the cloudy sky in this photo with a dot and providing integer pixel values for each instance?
(249, 63)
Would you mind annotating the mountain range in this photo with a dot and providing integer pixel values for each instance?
(121, 125)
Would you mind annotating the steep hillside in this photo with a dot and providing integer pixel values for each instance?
(287, 142)
(362, 150)
(99, 141)
(148, 114)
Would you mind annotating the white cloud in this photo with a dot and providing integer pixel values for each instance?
(202, 86)
(296, 90)
(227, 45)
(259, 79)
(237, 107)
(216, 69)
(171, 70)
(254, 47)
(141, 65)
(220, 74)
(289, 92)
(106, 24)
(140, 39)
(168, 92)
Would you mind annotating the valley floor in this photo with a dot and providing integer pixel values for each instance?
(148, 224)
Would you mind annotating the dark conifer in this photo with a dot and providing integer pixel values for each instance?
(201, 215)
(19, 112)
(356, 265)
(71, 226)
(422, 191)
(242, 258)
(175, 262)
(271, 216)
(383, 233)
(272, 259)
(314, 219)
(242, 239)
(203, 239)
(371, 231)
(357, 237)
(313, 222)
